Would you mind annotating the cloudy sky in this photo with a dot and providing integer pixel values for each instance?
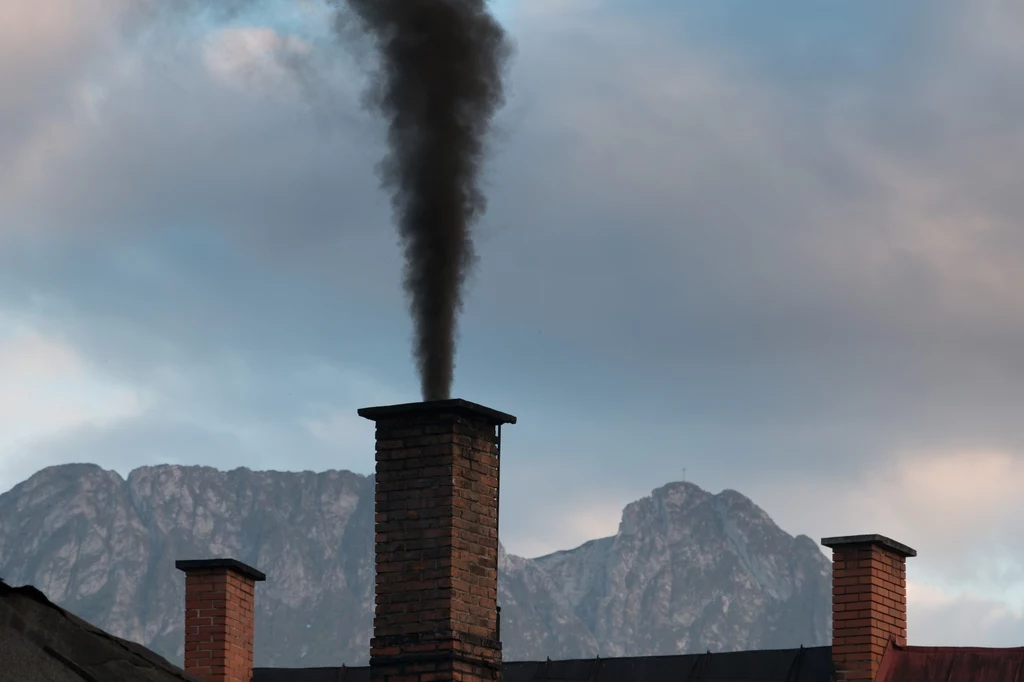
(775, 245)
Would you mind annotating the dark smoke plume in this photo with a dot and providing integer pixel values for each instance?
(439, 85)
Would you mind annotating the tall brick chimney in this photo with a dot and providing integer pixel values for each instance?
(219, 618)
(869, 602)
(436, 617)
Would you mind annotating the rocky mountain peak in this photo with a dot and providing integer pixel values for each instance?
(663, 508)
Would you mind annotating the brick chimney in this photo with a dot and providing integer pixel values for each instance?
(436, 617)
(869, 602)
(219, 618)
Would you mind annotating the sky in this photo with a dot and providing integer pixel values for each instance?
(772, 247)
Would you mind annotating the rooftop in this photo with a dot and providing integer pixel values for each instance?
(41, 642)
(782, 665)
(951, 664)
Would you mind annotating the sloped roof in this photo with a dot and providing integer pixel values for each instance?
(41, 642)
(951, 664)
(784, 665)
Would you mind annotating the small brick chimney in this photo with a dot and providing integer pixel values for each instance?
(436, 617)
(869, 602)
(219, 618)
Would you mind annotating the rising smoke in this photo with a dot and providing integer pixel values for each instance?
(439, 85)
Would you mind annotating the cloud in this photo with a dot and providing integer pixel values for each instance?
(246, 57)
(936, 617)
(338, 428)
(25, 355)
(49, 388)
(49, 38)
(580, 518)
(46, 54)
(960, 492)
(960, 510)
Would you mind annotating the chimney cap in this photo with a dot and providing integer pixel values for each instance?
(189, 565)
(874, 539)
(453, 405)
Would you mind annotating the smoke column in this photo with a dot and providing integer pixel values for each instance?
(439, 85)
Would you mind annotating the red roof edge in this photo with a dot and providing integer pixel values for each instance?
(910, 662)
(887, 659)
(962, 649)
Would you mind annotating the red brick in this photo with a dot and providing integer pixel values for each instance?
(436, 542)
(219, 625)
(868, 606)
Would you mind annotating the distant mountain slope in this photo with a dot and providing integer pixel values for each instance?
(687, 571)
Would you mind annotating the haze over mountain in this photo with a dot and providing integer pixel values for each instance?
(687, 570)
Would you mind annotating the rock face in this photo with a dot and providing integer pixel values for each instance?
(688, 570)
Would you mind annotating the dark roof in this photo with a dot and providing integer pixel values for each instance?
(457, 405)
(785, 665)
(343, 674)
(951, 664)
(41, 642)
(874, 539)
(248, 571)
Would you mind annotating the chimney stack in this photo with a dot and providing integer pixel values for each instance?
(219, 618)
(869, 602)
(436, 542)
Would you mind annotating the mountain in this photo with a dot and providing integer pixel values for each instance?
(687, 570)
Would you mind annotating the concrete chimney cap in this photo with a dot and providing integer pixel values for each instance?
(457, 405)
(188, 565)
(873, 539)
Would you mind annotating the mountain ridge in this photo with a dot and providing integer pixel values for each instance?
(687, 570)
